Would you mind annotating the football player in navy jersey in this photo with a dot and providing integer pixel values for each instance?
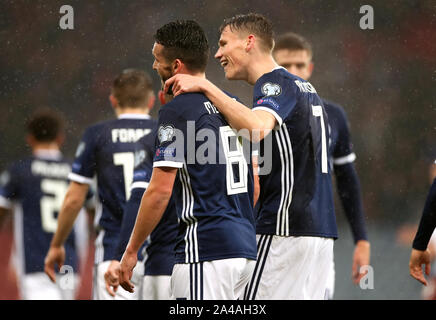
(215, 248)
(159, 255)
(294, 53)
(35, 187)
(296, 224)
(107, 153)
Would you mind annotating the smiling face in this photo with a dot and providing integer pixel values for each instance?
(162, 66)
(297, 62)
(232, 54)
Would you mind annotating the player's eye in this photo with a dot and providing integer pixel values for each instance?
(300, 65)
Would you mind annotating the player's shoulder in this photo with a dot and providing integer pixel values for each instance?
(334, 109)
(279, 80)
(184, 106)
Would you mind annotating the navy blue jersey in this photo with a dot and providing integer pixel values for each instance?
(107, 151)
(160, 244)
(340, 146)
(213, 191)
(37, 186)
(296, 197)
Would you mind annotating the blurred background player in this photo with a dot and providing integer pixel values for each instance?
(107, 152)
(34, 188)
(294, 53)
(159, 254)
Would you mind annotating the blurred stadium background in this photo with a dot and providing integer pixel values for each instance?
(384, 78)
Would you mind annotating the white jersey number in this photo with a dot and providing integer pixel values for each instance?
(127, 160)
(317, 112)
(54, 193)
(234, 158)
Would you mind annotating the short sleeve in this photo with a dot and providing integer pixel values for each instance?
(84, 165)
(343, 152)
(170, 141)
(275, 94)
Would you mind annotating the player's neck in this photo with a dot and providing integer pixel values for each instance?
(129, 110)
(262, 64)
(45, 146)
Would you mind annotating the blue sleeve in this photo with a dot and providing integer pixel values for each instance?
(349, 192)
(428, 221)
(343, 152)
(85, 162)
(276, 95)
(170, 142)
(128, 222)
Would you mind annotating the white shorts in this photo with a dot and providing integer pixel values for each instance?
(38, 286)
(330, 289)
(211, 280)
(99, 291)
(156, 288)
(290, 268)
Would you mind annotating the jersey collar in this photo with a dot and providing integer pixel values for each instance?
(50, 154)
(134, 116)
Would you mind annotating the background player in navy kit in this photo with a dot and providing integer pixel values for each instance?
(216, 245)
(159, 259)
(296, 220)
(294, 53)
(107, 152)
(38, 185)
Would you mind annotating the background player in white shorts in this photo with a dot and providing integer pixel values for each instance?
(34, 188)
(107, 152)
(294, 53)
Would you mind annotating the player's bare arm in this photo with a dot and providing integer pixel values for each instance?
(238, 115)
(153, 205)
(71, 206)
(361, 257)
(417, 259)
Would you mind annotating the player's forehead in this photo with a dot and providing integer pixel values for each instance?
(227, 35)
(288, 55)
(157, 49)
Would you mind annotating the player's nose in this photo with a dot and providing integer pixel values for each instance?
(218, 54)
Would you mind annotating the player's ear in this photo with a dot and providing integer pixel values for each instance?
(114, 101)
(310, 68)
(251, 40)
(177, 66)
(151, 101)
(161, 95)
(30, 140)
(60, 139)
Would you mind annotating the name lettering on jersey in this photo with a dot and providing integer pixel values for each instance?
(50, 169)
(305, 86)
(128, 135)
(210, 108)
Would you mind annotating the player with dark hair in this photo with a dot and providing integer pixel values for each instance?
(216, 247)
(294, 53)
(35, 187)
(295, 224)
(107, 152)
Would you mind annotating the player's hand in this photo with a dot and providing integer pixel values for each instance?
(55, 256)
(417, 259)
(128, 262)
(361, 258)
(184, 83)
(112, 277)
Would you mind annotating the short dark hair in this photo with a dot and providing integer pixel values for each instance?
(292, 41)
(132, 88)
(184, 40)
(45, 125)
(254, 23)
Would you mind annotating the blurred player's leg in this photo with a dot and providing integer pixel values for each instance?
(211, 280)
(100, 292)
(156, 288)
